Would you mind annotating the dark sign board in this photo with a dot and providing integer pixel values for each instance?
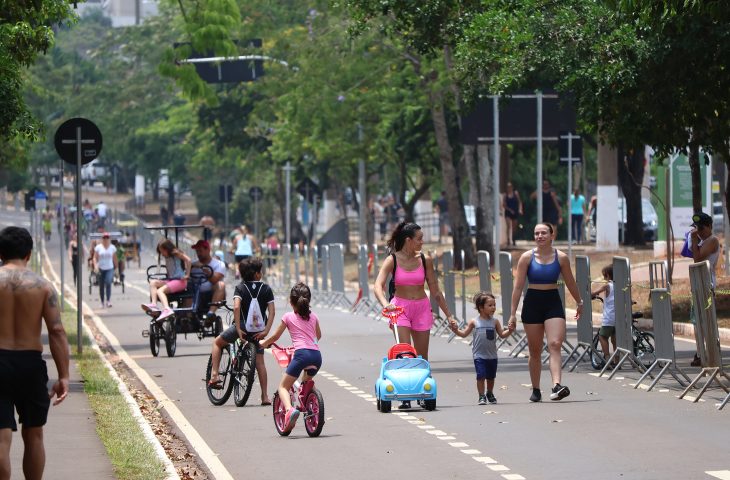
(576, 147)
(75, 131)
(228, 71)
(517, 120)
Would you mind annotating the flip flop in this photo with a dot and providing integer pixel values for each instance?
(216, 385)
(263, 404)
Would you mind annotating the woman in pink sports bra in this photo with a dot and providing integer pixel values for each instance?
(412, 270)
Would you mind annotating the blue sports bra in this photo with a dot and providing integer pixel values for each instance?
(538, 273)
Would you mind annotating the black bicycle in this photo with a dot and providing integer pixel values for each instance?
(642, 341)
(236, 372)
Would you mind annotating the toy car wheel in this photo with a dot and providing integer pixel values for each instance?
(429, 404)
(385, 406)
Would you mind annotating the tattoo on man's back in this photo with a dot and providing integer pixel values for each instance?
(20, 280)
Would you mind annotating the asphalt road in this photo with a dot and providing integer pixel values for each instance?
(605, 429)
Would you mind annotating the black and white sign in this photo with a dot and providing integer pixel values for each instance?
(256, 194)
(74, 133)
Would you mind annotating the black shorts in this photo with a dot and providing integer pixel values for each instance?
(540, 305)
(23, 387)
(240, 258)
(230, 335)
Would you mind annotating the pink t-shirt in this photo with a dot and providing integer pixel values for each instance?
(303, 332)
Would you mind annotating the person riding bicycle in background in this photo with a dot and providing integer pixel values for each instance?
(178, 272)
(305, 333)
(251, 288)
(608, 321)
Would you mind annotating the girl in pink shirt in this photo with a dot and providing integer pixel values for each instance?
(304, 330)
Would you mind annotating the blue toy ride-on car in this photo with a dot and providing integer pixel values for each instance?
(404, 375)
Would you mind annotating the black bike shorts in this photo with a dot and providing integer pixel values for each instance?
(23, 387)
(230, 335)
(541, 305)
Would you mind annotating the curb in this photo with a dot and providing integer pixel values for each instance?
(131, 402)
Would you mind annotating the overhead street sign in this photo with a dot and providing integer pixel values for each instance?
(78, 138)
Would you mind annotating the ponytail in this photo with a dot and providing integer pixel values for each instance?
(300, 297)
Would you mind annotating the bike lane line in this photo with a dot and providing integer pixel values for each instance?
(463, 447)
(205, 453)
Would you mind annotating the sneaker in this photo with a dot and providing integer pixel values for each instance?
(108, 304)
(166, 313)
(559, 392)
(150, 307)
(491, 398)
(482, 399)
(536, 395)
(405, 405)
(290, 419)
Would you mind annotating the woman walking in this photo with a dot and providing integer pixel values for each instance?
(543, 315)
(411, 269)
(512, 206)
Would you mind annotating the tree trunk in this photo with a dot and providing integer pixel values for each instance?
(694, 169)
(484, 211)
(472, 173)
(630, 175)
(457, 217)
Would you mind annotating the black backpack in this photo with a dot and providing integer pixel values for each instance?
(391, 285)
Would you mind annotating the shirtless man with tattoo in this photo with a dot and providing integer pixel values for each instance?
(25, 298)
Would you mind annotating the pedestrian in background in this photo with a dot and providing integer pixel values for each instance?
(105, 262)
(25, 300)
(484, 344)
(552, 212)
(704, 246)
(577, 213)
(543, 315)
(512, 206)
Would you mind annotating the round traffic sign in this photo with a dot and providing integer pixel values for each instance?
(256, 193)
(74, 133)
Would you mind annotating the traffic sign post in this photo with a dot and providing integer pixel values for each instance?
(566, 142)
(78, 141)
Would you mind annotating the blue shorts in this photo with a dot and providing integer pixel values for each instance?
(304, 359)
(486, 368)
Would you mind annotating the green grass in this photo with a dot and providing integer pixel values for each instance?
(132, 456)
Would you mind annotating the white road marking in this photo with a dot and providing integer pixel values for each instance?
(487, 460)
(459, 444)
(721, 474)
(512, 476)
(471, 452)
(498, 468)
(436, 432)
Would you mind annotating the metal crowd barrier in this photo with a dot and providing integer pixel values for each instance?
(661, 308)
(622, 301)
(706, 333)
(585, 322)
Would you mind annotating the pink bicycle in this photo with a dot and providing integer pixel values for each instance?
(304, 396)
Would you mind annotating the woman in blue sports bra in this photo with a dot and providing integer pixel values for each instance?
(543, 315)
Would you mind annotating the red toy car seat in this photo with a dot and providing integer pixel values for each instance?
(402, 350)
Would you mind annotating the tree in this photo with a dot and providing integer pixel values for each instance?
(25, 31)
(426, 36)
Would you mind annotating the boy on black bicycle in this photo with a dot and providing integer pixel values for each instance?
(608, 321)
(251, 288)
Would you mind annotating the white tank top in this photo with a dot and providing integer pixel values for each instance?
(609, 308)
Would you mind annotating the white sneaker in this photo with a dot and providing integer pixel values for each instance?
(166, 313)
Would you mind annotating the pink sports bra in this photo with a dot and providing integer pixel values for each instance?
(410, 277)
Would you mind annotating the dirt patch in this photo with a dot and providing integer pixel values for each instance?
(176, 448)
